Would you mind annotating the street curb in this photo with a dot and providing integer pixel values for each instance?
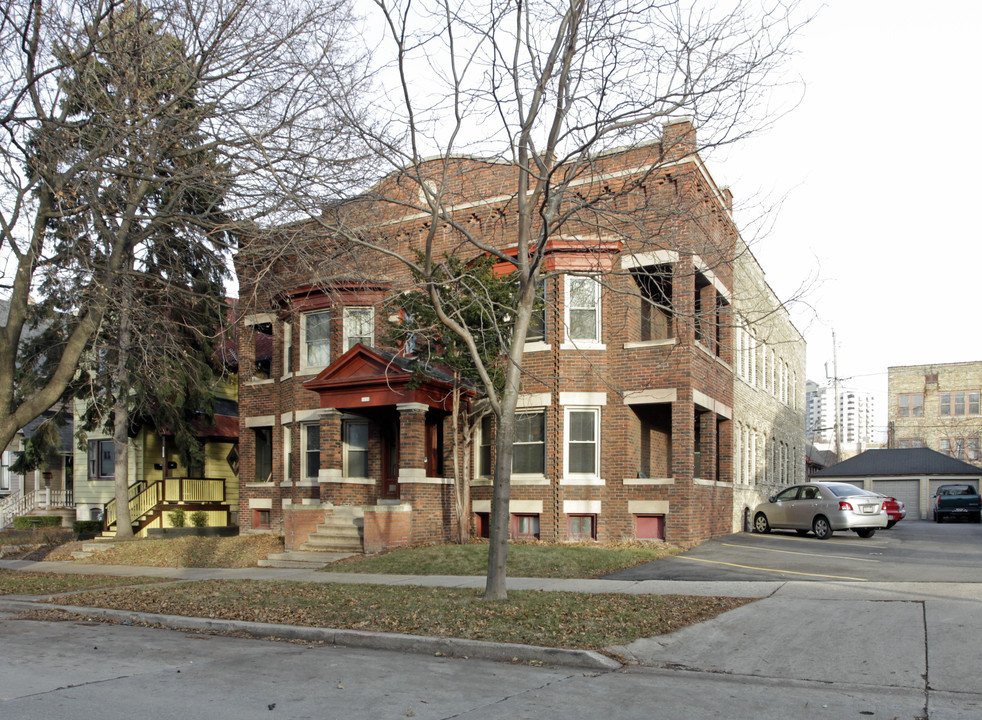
(420, 644)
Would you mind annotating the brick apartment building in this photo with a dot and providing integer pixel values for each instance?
(628, 421)
(937, 406)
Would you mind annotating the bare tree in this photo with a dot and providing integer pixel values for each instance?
(542, 94)
(102, 142)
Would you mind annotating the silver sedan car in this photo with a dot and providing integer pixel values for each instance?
(822, 507)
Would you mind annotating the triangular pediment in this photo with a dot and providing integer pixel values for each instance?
(359, 363)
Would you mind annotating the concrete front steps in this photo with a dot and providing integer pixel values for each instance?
(339, 536)
(342, 532)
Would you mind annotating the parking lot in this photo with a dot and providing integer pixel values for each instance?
(912, 551)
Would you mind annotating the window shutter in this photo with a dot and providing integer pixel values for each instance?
(93, 459)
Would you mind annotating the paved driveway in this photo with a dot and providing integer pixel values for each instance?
(912, 551)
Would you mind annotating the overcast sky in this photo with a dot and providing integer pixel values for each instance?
(877, 168)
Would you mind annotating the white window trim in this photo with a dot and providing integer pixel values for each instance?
(306, 369)
(570, 343)
(346, 324)
(591, 478)
(518, 478)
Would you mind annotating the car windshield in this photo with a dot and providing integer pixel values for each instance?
(850, 491)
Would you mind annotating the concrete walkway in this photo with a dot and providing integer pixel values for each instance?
(913, 637)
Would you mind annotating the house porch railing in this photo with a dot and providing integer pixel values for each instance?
(146, 498)
(24, 503)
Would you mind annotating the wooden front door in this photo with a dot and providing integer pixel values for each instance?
(389, 438)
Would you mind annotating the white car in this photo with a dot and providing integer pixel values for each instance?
(822, 507)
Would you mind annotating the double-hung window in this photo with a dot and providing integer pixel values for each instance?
(315, 351)
(529, 448)
(359, 327)
(356, 449)
(583, 311)
(582, 443)
(311, 451)
(102, 459)
(486, 442)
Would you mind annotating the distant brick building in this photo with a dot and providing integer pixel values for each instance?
(627, 425)
(938, 407)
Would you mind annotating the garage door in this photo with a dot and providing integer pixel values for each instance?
(906, 491)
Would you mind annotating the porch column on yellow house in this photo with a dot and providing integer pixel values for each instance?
(412, 442)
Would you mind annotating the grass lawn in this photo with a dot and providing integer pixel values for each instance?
(13, 582)
(553, 619)
(579, 560)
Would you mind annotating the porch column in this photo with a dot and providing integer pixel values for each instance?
(332, 446)
(412, 441)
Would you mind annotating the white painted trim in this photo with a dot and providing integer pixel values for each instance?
(412, 407)
(649, 481)
(536, 346)
(594, 399)
(652, 396)
(260, 421)
(581, 507)
(595, 343)
(647, 507)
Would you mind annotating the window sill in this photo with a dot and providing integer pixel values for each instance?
(308, 482)
(537, 346)
(306, 371)
(482, 482)
(254, 381)
(574, 345)
(586, 481)
(260, 484)
(518, 480)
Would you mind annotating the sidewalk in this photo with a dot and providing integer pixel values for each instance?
(910, 636)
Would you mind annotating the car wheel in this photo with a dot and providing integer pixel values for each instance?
(822, 528)
(937, 518)
(760, 523)
(866, 532)
(891, 523)
(801, 532)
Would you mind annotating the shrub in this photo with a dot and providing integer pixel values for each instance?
(176, 517)
(199, 518)
(86, 527)
(28, 522)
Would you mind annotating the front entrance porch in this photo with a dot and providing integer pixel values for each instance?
(382, 452)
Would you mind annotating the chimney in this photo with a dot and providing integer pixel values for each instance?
(678, 139)
(727, 198)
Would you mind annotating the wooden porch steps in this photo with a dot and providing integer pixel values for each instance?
(342, 532)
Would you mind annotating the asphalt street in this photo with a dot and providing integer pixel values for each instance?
(809, 647)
